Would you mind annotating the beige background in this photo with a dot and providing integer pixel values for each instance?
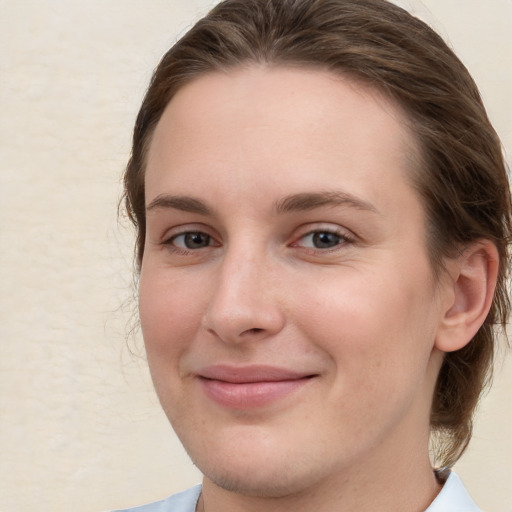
(81, 429)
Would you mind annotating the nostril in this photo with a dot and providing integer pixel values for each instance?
(254, 330)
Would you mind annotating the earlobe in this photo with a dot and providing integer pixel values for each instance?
(473, 277)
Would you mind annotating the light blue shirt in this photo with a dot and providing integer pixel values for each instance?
(452, 498)
(185, 501)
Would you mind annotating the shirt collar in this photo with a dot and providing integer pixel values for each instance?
(453, 497)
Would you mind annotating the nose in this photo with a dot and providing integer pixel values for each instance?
(244, 304)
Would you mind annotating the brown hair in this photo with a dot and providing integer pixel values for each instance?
(462, 178)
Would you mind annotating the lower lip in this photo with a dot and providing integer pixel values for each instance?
(248, 395)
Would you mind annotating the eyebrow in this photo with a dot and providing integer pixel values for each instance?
(182, 203)
(303, 201)
(310, 200)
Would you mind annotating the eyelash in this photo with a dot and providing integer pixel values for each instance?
(342, 240)
(170, 242)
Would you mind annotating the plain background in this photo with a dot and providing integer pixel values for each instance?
(81, 429)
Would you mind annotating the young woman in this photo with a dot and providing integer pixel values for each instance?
(323, 218)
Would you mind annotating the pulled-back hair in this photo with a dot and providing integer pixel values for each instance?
(461, 176)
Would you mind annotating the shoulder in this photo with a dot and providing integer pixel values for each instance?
(453, 497)
(182, 502)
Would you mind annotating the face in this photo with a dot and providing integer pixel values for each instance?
(287, 303)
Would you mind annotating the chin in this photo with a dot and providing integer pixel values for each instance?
(266, 474)
(266, 483)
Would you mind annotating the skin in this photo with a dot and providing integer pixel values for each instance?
(341, 292)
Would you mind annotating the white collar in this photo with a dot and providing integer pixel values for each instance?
(453, 497)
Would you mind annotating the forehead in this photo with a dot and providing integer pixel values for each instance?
(297, 127)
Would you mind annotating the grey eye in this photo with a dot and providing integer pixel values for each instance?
(192, 240)
(325, 239)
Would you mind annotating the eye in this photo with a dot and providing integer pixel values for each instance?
(322, 239)
(191, 240)
(325, 240)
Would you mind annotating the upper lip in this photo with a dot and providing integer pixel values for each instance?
(252, 373)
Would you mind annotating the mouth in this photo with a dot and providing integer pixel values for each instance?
(251, 386)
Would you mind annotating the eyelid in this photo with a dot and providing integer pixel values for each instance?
(172, 240)
(167, 240)
(183, 229)
(347, 237)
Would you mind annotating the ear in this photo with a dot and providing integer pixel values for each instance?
(470, 284)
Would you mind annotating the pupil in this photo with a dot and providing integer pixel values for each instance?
(196, 240)
(325, 240)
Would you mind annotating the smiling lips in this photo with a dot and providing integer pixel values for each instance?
(249, 387)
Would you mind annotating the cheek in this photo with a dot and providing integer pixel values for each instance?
(170, 313)
(373, 322)
(379, 337)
